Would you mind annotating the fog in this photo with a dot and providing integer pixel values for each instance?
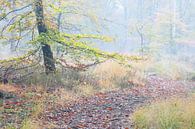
(161, 28)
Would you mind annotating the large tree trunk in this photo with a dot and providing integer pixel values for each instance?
(47, 53)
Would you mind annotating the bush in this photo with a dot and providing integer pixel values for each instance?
(169, 114)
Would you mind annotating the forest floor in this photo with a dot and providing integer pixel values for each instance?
(111, 110)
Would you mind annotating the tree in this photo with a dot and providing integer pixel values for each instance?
(42, 29)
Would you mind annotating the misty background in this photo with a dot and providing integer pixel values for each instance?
(164, 29)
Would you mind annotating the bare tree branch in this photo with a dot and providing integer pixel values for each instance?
(16, 10)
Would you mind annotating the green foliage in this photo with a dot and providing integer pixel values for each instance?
(10, 127)
(79, 46)
(170, 114)
(18, 59)
(74, 43)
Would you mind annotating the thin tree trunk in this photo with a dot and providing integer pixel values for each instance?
(172, 26)
(126, 12)
(59, 27)
(47, 52)
(140, 27)
(12, 45)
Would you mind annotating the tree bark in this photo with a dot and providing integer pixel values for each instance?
(47, 52)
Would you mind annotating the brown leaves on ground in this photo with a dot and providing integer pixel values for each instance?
(112, 109)
(18, 104)
(9, 88)
(58, 108)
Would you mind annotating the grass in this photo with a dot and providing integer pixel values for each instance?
(29, 124)
(104, 77)
(173, 68)
(111, 75)
(85, 90)
(47, 92)
(167, 114)
(24, 114)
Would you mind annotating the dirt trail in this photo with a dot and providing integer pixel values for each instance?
(113, 109)
(101, 111)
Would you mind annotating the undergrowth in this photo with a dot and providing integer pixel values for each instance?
(167, 114)
(104, 77)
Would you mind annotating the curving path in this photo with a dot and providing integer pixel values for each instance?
(112, 110)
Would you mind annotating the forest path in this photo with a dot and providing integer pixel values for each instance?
(112, 110)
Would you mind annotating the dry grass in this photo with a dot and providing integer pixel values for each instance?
(9, 88)
(172, 69)
(69, 85)
(101, 78)
(165, 67)
(85, 90)
(168, 114)
(112, 75)
(64, 96)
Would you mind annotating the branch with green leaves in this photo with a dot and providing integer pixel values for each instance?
(74, 43)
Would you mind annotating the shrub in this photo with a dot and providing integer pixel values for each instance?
(169, 114)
